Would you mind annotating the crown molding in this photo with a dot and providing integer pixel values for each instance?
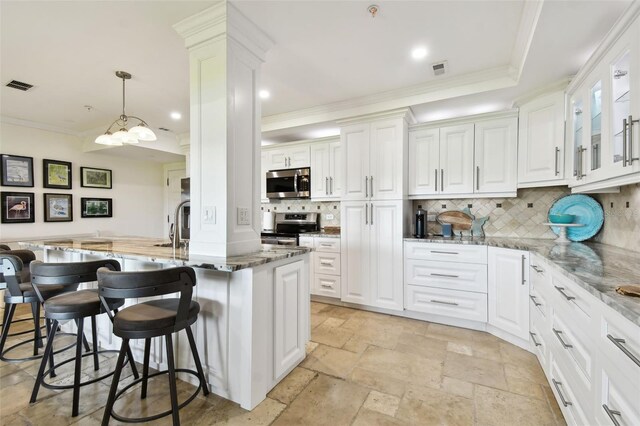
(40, 126)
(556, 86)
(277, 145)
(510, 113)
(404, 113)
(614, 34)
(528, 23)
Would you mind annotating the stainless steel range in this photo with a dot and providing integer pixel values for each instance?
(289, 226)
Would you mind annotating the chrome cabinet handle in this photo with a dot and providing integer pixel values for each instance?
(576, 159)
(371, 183)
(478, 178)
(582, 173)
(436, 180)
(444, 275)
(331, 185)
(444, 252)
(442, 302)
(533, 299)
(366, 213)
(533, 339)
(557, 385)
(612, 413)
(631, 158)
(326, 286)
(561, 291)
(326, 245)
(371, 213)
(326, 186)
(325, 263)
(442, 180)
(620, 345)
(535, 268)
(366, 187)
(624, 142)
(557, 161)
(524, 258)
(562, 342)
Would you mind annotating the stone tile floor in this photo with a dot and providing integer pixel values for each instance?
(362, 368)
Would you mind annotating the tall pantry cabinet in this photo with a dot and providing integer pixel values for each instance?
(373, 212)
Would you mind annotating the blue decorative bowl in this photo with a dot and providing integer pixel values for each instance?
(561, 218)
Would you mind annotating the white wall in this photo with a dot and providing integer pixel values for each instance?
(137, 193)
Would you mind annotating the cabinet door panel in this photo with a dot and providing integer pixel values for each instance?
(288, 310)
(424, 162)
(355, 147)
(278, 159)
(386, 255)
(496, 156)
(354, 246)
(509, 291)
(319, 171)
(336, 172)
(456, 159)
(386, 155)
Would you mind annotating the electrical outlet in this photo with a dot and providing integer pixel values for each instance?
(329, 216)
(243, 216)
(209, 215)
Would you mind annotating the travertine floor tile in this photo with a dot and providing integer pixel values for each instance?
(330, 336)
(427, 406)
(476, 370)
(288, 389)
(326, 401)
(331, 361)
(407, 367)
(553, 404)
(422, 346)
(496, 407)
(460, 348)
(512, 354)
(526, 371)
(525, 387)
(373, 418)
(334, 322)
(457, 387)
(317, 319)
(382, 403)
(379, 381)
(310, 346)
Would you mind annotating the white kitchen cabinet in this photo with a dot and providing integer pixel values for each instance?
(326, 172)
(373, 160)
(289, 309)
(371, 244)
(496, 156)
(509, 291)
(325, 265)
(541, 141)
(288, 157)
(424, 162)
(456, 159)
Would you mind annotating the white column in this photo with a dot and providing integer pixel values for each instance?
(225, 54)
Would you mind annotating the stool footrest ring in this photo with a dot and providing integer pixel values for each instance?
(29, 358)
(66, 361)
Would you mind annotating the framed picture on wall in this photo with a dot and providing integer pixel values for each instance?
(16, 207)
(96, 207)
(95, 178)
(17, 170)
(56, 174)
(58, 208)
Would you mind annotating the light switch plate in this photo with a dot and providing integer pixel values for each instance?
(209, 215)
(329, 216)
(243, 216)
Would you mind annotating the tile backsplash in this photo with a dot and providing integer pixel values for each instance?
(508, 217)
(326, 208)
(621, 218)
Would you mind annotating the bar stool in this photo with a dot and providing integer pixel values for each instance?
(154, 318)
(25, 276)
(74, 305)
(18, 290)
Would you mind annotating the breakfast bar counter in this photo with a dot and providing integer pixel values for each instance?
(254, 319)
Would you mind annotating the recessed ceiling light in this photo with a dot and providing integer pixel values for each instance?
(176, 115)
(419, 53)
(264, 94)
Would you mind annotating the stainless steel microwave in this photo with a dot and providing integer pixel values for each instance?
(289, 183)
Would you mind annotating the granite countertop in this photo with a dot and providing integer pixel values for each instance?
(597, 268)
(320, 234)
(145, 249)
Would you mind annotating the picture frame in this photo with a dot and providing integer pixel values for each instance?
(17, 170)
(17, 207)
(58, 207)
(96, 207)
(91, 177)
(56, 174)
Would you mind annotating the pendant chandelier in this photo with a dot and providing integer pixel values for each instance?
(140, 132)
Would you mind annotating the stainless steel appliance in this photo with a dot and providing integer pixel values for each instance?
(290, 183)
(289, 226)
(185, 194)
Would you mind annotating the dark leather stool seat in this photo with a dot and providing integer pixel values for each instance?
(81, 303)
(154, 318)
(28, 291)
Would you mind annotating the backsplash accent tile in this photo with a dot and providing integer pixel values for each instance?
(508, 217)
(322, 207)
(621, 218)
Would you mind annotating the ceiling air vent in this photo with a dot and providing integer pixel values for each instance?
(19, 85)
(164, 129)
(440, 68)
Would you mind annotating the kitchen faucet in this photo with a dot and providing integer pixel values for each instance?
(175, 239)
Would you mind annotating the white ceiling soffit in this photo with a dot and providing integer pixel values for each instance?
(499, 76)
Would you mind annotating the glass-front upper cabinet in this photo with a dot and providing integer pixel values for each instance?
(595, 108)
(577, 109)
(620, 110)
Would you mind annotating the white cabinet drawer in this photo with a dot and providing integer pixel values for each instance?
(618, 399)
(573, 345)
(573, 299)
(458, 276)
(446, 252)
(326, 285)
(619, 341)
(538, 341)
(329, 245)
(540, 276)
(538, 302)
(306, 242)
(450, 303)
(327, 263)
(574, 405)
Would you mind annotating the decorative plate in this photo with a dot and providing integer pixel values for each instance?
(586, 210)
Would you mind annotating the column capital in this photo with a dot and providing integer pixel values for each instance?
(223, 20)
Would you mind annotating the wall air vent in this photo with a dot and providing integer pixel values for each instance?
(440, 68)
(15, 84)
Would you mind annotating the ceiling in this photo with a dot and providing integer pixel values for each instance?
(325, 54)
